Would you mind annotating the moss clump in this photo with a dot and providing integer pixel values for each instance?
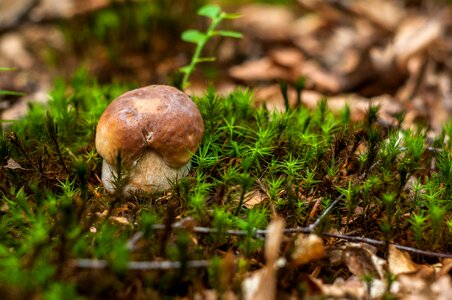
(393, 187)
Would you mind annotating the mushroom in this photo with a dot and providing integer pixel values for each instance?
(156, 129)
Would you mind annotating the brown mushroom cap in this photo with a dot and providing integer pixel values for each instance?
(156, 117)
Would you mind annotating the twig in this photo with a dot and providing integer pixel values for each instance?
(428, 148)
(382, 243)
(324, 214)
(140, 265)
(132, 241)
(262, 232)
(207, 230)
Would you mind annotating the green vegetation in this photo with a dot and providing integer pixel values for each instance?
(62, 236)
(54, 211)
(200, 39)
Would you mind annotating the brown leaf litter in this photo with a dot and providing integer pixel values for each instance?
(352, 52)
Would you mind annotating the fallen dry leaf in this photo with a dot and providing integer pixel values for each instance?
(120, 220)
(12, 165)
(254, 198)
(12, 11)
(289, 57)
(446, 267)
(400, 262)
(266, 22)
(258, 70)
(360, 259)
(352, 288)
(414, 36)
(324, 9)
(214, 295)
(261, 284)
(13, 48)
(442, 288)
(307, 248)
(385, 13)
(322, 79)
(305, 26)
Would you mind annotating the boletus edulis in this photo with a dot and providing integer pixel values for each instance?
(155, 130)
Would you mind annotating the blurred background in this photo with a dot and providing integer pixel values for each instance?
(397, 53)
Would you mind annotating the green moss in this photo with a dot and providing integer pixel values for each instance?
(51, 216)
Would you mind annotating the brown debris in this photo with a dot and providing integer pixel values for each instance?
(265, 22)
(271, 96)
(258, 70)
(261, 284)
(254, 198)
(307, 248)
(356, 50)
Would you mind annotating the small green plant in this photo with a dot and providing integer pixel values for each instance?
(201, 38)
(417, 222)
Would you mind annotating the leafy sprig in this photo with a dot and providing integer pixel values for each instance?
(201, 38)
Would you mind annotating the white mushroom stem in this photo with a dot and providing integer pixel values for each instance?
(149, 174)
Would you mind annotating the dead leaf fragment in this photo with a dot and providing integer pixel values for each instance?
(446, 266)
(287, 57)
(254, 198)
(306, 25)
(360, 259)
(258, 70)
(120, 220)
(213, 295)
(442, 288)
(414, 36)
(400, 262)
(386, 14)
(12, 11)
(266, 22)
(323, 80)
(352, 288)
(261, 285)
(12, 165)
(307, 248)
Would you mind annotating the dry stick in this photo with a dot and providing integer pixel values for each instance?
(140, 265)
(169, 265)
(324, 214)
(261, 232)
(166, 265)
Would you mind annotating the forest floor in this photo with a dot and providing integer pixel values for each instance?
(325, 168)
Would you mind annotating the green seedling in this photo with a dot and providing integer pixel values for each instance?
(201, 38)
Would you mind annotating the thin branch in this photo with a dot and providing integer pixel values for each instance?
(324, 214)
(140, 265)
(428, 148)
(262, 232)
(132, 241)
